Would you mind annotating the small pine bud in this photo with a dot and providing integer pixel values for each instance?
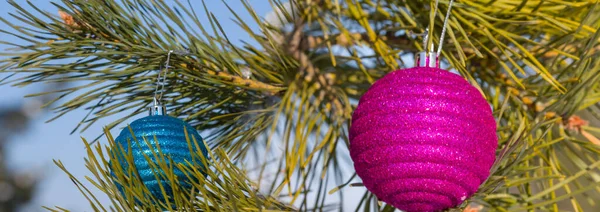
(527, 100)
(68, 20)
(539, 107)
(513, 91)
(509, 82)
(549, 115)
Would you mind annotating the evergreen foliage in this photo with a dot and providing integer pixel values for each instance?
(534, 61)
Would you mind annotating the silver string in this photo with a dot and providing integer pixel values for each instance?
(444, 28)
(160, 81)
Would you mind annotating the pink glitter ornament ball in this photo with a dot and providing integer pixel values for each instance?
(423, 139)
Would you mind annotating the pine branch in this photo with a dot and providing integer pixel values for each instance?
(87, 29)
(221, 187)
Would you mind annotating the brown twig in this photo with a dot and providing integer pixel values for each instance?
(308, 71)
(356, 39)
(240, 81)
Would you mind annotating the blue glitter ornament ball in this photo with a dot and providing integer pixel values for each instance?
(170, 136)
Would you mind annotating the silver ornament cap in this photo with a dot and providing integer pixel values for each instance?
(428, 59)
(157, 109)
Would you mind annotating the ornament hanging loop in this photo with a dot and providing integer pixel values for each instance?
(157, 107)
(160, 80)
(429, 58)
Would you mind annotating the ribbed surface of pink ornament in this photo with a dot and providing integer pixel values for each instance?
(423, 139)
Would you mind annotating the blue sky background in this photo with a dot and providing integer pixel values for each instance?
(35, 149)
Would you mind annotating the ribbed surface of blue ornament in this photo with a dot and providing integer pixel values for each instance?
(170, 135)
